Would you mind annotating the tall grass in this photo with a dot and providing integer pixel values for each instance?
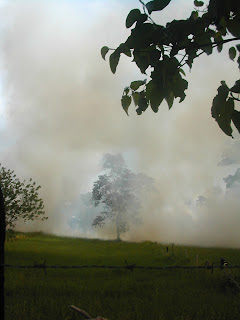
(112, 293)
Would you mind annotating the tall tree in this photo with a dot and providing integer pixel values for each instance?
(162, 52)
(118, 191)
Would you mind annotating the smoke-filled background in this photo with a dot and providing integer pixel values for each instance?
(60, 112)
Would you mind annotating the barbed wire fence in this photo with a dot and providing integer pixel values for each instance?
(130, 267)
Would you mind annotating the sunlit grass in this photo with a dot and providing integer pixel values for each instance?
(112, 293)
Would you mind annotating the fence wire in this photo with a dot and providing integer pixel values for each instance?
(127, 267)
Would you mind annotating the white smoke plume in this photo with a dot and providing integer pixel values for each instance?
(62, 113)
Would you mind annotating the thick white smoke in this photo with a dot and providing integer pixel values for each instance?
(63, 113)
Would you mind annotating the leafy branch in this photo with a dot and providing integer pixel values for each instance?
(162, 51)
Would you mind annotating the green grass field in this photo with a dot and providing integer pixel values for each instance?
(32, 294)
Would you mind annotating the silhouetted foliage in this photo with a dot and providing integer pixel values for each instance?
(161, 52)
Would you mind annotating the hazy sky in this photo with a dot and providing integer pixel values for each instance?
(60, 112)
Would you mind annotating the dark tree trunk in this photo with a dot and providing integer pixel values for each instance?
(118, 228)
(2, 241)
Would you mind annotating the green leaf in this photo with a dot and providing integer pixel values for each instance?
(142, 18)
(142, 60)
(203, 40)
(132, 17)
(236, 87)
(155, 93)
(126, 90)
(154, 56)
(142, 37)
(182, 71)
(139, 111)
(113, 60)
(136, 96)
(233, 27)
(191, 56)
(219, 47)
(222, 110)
(219, 99)
(157, 5)
(170, 99)
(232, 53)
(198, 3)
(136, 84)
(178, 86)
(127, 52)
(104, 51)
(218, 38)
(126, 101)
(123, 48)
(224, 120)
(236, 119)
(142, 103)
(194, 15)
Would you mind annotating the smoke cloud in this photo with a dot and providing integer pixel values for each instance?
(62, 113)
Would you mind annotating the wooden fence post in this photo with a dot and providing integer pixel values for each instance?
(2, 242)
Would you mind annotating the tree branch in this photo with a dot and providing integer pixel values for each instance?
(234, 97)
(227, 40)
(144, 9)
(213, 45)
(182, 60)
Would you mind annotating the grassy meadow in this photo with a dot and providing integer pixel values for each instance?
(32, 294)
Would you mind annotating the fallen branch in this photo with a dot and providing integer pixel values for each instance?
(85, 314)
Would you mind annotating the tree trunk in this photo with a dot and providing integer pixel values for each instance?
(2, 241)
(118, 228)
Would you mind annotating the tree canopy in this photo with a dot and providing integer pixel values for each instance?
(162, 52)
(119, 191)
(21, 199)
